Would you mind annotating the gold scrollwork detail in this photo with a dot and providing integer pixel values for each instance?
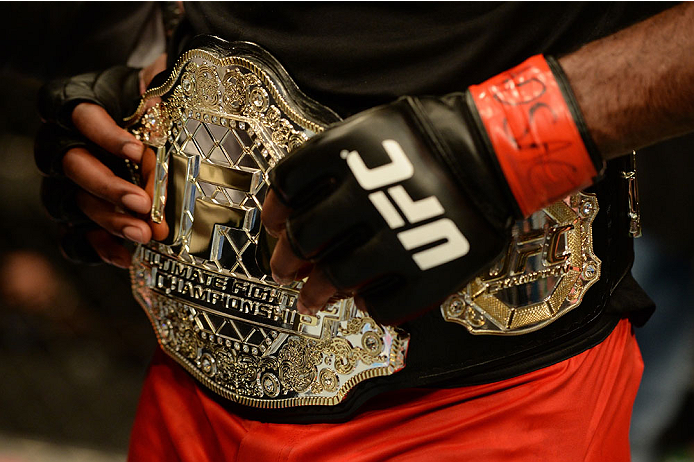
(270, 384)
(299, 361)
(188, 80)
(235, 89)
(345, 357)
(238, 93)
(207, 84)
(328, 380)
(293, 369)
(259, 100)
(183, 335)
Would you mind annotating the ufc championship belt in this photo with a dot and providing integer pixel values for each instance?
(227, 113)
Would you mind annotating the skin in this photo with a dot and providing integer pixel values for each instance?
(635, 88)
(118, 206)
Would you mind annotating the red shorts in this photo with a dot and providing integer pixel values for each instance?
(576, 410)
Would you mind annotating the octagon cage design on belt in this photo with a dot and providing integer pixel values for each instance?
(227, 113)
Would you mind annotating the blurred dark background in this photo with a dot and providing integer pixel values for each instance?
(74, 345)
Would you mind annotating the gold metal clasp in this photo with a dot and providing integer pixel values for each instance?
(633, 197)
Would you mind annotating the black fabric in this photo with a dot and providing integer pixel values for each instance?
(75, 37)
(355, 55)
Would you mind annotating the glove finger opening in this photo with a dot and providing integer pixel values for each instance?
(58, 198)
(50, 146)
(76, 247)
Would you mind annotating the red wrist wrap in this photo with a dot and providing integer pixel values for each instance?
(531, 129)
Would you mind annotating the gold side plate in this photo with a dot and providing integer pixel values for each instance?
(545, 273)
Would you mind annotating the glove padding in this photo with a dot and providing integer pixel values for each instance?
(117, 91)
(404, 204)
(396, 205)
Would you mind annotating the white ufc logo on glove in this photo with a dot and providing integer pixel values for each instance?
(398, 170)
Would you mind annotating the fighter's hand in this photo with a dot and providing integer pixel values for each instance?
(81, 150)
(288, 267)
(404, 204)
(370, 207)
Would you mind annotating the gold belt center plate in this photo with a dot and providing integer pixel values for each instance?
(217, 126)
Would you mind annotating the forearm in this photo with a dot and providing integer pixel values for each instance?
(636, 87)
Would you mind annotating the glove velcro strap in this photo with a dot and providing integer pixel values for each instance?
(535, 134)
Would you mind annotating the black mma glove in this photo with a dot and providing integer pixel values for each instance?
(404, 204)
(117, 90)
